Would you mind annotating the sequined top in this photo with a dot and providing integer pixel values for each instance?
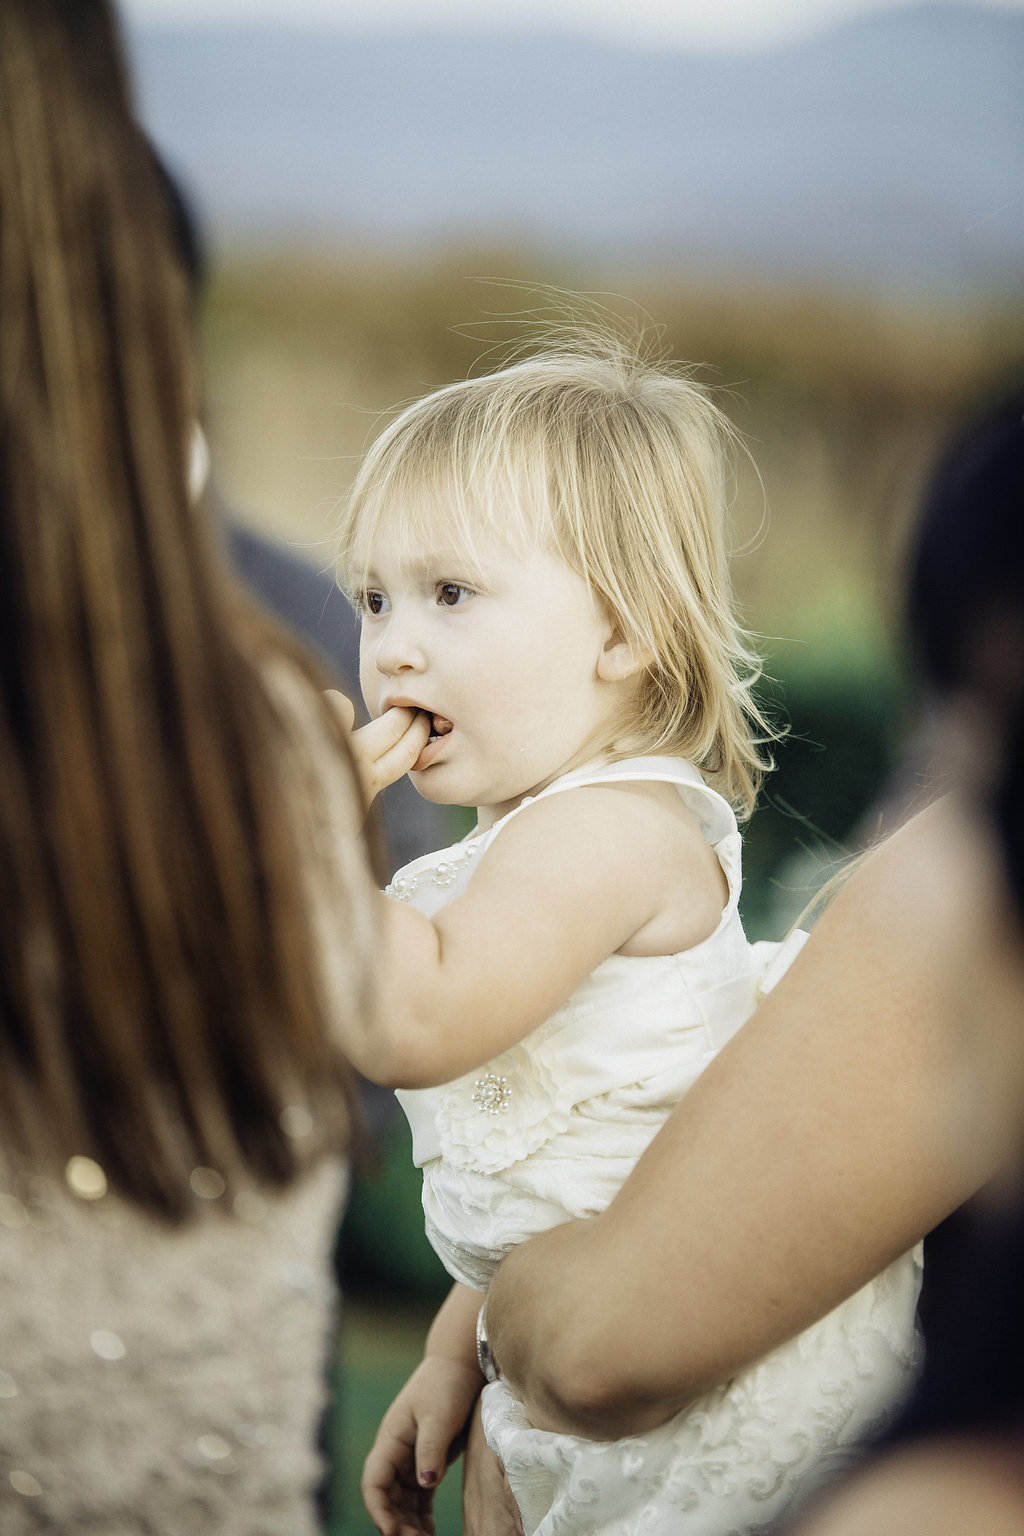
(551, 1129)
(163, 1382)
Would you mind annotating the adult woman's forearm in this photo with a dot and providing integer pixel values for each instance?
(553, 1345)
(855, 1110)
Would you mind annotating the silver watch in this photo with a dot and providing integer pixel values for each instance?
(484, 1357)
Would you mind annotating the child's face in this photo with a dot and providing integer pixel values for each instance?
(503, 648)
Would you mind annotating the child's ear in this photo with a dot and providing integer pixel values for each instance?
(619, 659)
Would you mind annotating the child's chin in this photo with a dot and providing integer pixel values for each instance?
(430, 784)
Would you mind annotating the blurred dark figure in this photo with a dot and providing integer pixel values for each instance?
(955, 1459)
(185, 893)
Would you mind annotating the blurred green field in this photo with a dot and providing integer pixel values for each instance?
(842, 404)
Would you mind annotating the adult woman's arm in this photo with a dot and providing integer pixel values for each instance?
(872, 1093)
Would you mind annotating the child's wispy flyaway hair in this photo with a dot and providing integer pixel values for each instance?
(619, 464)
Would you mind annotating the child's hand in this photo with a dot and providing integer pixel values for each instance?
(387, 747)
(419, 1435)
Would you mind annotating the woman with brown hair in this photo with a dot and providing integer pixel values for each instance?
(182, 885)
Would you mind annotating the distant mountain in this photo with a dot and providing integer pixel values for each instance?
(888, 152)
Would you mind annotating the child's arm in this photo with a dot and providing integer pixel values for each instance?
(418, 1434)
(568, 882)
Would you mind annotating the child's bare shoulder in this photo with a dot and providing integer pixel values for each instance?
(632, 834)
(640, 811)
(680, 863)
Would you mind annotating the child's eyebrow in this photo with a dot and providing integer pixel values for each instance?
(443, 564)
(439, 563)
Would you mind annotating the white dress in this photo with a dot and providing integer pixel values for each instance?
(550, 1129)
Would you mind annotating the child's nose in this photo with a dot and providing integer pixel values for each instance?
(399, 649)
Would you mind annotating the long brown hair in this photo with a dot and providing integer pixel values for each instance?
(166, 813)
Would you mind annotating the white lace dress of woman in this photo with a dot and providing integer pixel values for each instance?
(549, 1131)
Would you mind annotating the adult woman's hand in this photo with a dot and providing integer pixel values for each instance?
(385, 749)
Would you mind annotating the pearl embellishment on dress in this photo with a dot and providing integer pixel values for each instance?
(442, 874)
(493, 1093)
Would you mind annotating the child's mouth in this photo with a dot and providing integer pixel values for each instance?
(440, 726)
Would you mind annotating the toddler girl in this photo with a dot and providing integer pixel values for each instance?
(548, 631)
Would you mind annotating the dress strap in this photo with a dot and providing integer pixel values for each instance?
(713, 813)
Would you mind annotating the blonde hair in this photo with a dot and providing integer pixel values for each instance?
(618, 464)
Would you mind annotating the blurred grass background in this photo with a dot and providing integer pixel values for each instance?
(842, 402)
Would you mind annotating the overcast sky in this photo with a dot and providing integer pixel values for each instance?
(659, 23)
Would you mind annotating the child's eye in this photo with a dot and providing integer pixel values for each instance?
(450, 593)
(372, 602)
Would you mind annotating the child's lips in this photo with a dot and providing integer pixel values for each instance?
(440, 729)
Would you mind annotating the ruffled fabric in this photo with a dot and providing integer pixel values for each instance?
(491, 1119)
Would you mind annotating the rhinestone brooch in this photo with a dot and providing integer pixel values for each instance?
(492, 1093)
